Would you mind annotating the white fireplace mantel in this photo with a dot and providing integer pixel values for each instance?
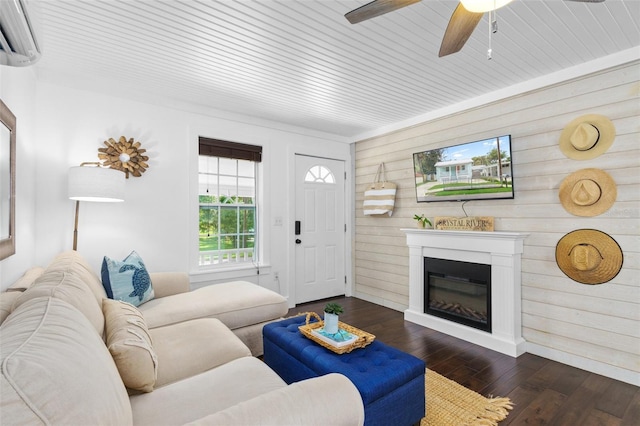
(501, 250)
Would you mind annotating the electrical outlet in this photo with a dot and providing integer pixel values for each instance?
(276, 277)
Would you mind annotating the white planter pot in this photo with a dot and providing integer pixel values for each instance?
(330, 323)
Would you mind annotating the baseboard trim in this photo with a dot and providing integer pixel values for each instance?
(582, 363)
(380, 301)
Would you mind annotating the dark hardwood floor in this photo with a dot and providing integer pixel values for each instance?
(544, 392)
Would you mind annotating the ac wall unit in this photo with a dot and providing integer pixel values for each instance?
(18, 44)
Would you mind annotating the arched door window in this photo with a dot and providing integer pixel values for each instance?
(319, 174)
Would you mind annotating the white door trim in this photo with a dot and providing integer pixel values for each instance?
(349, 206)
(320, 255)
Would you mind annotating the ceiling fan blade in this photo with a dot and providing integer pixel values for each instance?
(376, 8)
(461, 25)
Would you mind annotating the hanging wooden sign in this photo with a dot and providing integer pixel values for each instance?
(469, 223)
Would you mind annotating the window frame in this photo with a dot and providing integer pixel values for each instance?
(234, 151)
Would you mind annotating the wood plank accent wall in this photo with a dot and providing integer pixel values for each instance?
(596, 327)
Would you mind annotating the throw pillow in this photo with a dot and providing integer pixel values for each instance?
(127, 280)
(130, 345)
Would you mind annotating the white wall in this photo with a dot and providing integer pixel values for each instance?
(594, 327)
(159, 217)
(18, 91)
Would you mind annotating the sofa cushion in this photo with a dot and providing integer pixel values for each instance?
(28, 278)
(327, 400)
(169, 283)
(71, 288)
(236, 381)
(237, 304)
(56, 370)
(130, 345)
(127, 280)
(192, 347)
(7, 299)
(71, 262)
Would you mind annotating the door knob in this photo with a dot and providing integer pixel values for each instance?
(298, 240)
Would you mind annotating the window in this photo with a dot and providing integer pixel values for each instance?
(319, 174)
(227, 182)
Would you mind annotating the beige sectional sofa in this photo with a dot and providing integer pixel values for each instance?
(70, 356)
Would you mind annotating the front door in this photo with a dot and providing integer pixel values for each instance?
(320, 228)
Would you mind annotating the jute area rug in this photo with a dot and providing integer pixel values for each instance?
(451, 404)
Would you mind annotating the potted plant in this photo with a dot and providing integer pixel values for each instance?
(422, 220)
(331, 312)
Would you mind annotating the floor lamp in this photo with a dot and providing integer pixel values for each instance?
(91, 182)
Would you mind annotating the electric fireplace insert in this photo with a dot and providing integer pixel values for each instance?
(458, 291)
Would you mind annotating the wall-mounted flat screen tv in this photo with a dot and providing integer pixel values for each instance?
(478, 170)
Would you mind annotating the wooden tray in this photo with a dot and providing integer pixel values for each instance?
(363, 339)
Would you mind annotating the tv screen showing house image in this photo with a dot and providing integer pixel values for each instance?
(472, 171)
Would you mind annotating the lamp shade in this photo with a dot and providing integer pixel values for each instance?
(90, 183)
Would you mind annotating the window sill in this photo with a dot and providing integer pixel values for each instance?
(227, 273)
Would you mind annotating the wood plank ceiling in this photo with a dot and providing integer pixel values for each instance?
(299, 62)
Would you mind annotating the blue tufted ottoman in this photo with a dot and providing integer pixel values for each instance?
(391, 382)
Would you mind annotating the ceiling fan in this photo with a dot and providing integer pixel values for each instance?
(463, 21)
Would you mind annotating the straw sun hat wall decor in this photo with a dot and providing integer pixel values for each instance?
(587, 137)
(589, 256)
(588, 192)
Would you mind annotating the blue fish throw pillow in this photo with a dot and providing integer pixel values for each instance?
(127, 280)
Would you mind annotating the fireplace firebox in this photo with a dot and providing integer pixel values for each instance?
(458, 291)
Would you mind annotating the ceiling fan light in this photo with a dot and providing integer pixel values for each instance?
(481, 6)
